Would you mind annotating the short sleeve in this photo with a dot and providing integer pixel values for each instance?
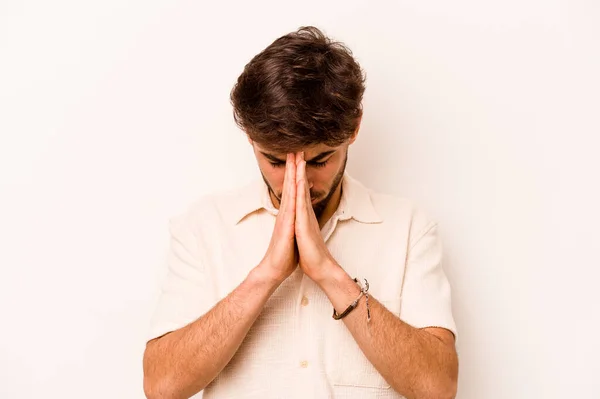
(185, 291)
(426, 299)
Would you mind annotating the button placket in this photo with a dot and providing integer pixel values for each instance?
(303, 324)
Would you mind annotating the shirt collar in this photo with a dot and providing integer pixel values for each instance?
(355, 202)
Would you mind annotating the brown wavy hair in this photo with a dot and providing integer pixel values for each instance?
(303, 89)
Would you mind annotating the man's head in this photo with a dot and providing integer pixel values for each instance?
(302, 93)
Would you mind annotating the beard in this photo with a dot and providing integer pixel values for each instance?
(319, 206)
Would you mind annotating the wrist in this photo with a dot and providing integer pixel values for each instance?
(338, 285)
(331, 274)
(265, 275)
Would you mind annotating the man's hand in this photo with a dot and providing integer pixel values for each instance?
(315, 259)
(281, 257)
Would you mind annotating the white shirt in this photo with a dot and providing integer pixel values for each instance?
(295, 349)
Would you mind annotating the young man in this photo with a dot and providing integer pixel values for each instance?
(305, 283)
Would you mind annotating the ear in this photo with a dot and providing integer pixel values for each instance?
(249, 140)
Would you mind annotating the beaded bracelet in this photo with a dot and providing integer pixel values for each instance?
(363, 291)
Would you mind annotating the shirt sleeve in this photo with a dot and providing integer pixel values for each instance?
(426, 299)
(185, 291)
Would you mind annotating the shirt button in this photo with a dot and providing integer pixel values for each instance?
(304, 364)
(304, 301)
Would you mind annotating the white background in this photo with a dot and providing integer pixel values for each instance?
(115, 115)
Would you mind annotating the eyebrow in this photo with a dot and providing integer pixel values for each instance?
(318, 158)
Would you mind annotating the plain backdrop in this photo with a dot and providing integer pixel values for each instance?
(115, 115)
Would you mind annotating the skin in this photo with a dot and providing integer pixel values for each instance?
(316, 262)
(325, 168)
(418, 363)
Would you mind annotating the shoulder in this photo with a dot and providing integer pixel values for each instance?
(404, 212)
(215, 208)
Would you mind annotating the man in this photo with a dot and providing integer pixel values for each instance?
(261, 300)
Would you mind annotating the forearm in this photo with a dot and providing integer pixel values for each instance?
(185, 361)
(416, 363)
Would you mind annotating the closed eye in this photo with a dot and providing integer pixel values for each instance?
(318, 164)
(315, 164)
